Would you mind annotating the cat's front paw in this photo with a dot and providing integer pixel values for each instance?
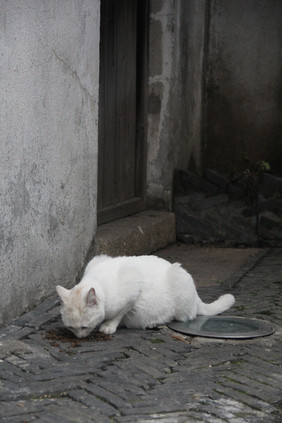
(108, 328)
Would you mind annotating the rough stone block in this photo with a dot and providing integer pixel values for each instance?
(270, 204)
(217, 179)
(198, 182)
(272, 181)
(206, 203)
(195, 226)
(142, 233)
(188, 199)
(236, 190)
(270, 227)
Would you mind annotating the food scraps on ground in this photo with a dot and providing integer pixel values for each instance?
(64, 335)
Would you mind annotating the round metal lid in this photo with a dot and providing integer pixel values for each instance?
(228, 327)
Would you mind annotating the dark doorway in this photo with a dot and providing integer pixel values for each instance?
(122, 111)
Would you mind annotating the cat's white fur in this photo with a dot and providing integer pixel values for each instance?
(136, 292)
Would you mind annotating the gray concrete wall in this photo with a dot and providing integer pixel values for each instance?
(48, 120)
(176, 53)
(188, 90)
(160, 124)
(244, 85)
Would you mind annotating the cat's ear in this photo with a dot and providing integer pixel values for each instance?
(91, 299)
(63, 293)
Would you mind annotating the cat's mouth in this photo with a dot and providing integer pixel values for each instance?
(81, 335)
(80, 332)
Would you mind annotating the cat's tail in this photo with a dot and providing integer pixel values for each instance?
(223, 303)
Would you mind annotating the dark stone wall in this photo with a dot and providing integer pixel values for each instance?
(243, 85)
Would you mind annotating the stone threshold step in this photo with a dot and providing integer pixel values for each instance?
(141, 233)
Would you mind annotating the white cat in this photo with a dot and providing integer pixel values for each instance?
(136, 292)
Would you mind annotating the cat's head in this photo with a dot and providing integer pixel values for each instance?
(81, 310)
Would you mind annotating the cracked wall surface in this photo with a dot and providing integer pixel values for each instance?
(176, 50)
(48, 119)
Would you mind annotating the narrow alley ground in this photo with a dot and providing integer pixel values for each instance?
(154, 375)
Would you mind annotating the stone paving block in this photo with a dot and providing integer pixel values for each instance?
(12, 373)
(251, 389)
(18, 362)
(38, 354)
(147, 367)
(236, 190)
(209, 376)
(131, 373)
(179, 392)
(116, 385)
(198, 182)
(93, 402)
(125, 386)
(107, 396)
(184, 201)
(178, 417)
(272, 181)
(76, 412)
(262, 364)
(16, 408)
(42, 319)
(270, 228)
(47, 308)
(56, 353)
(269, 381)
(166, 351)
(244, 398)
(152, 352)
(22, 418)
(217, 179)
(188, 223)
(48, 417)
(210, 355)
(209, 202)
(225, 409)
(99, 360)
(13, 346)
(153, 408)
(15, 333)
(276, 356)
(35, 389)
(11, 391)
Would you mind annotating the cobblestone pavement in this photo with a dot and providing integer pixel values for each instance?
(153, 375)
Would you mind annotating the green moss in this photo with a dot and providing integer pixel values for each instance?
(156, 340)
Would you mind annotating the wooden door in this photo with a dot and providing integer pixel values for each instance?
(121, 162)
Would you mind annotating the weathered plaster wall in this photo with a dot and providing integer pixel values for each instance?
(176, 52)
(48, 120)
(188, 87)
(244, 85)
(160, 149)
